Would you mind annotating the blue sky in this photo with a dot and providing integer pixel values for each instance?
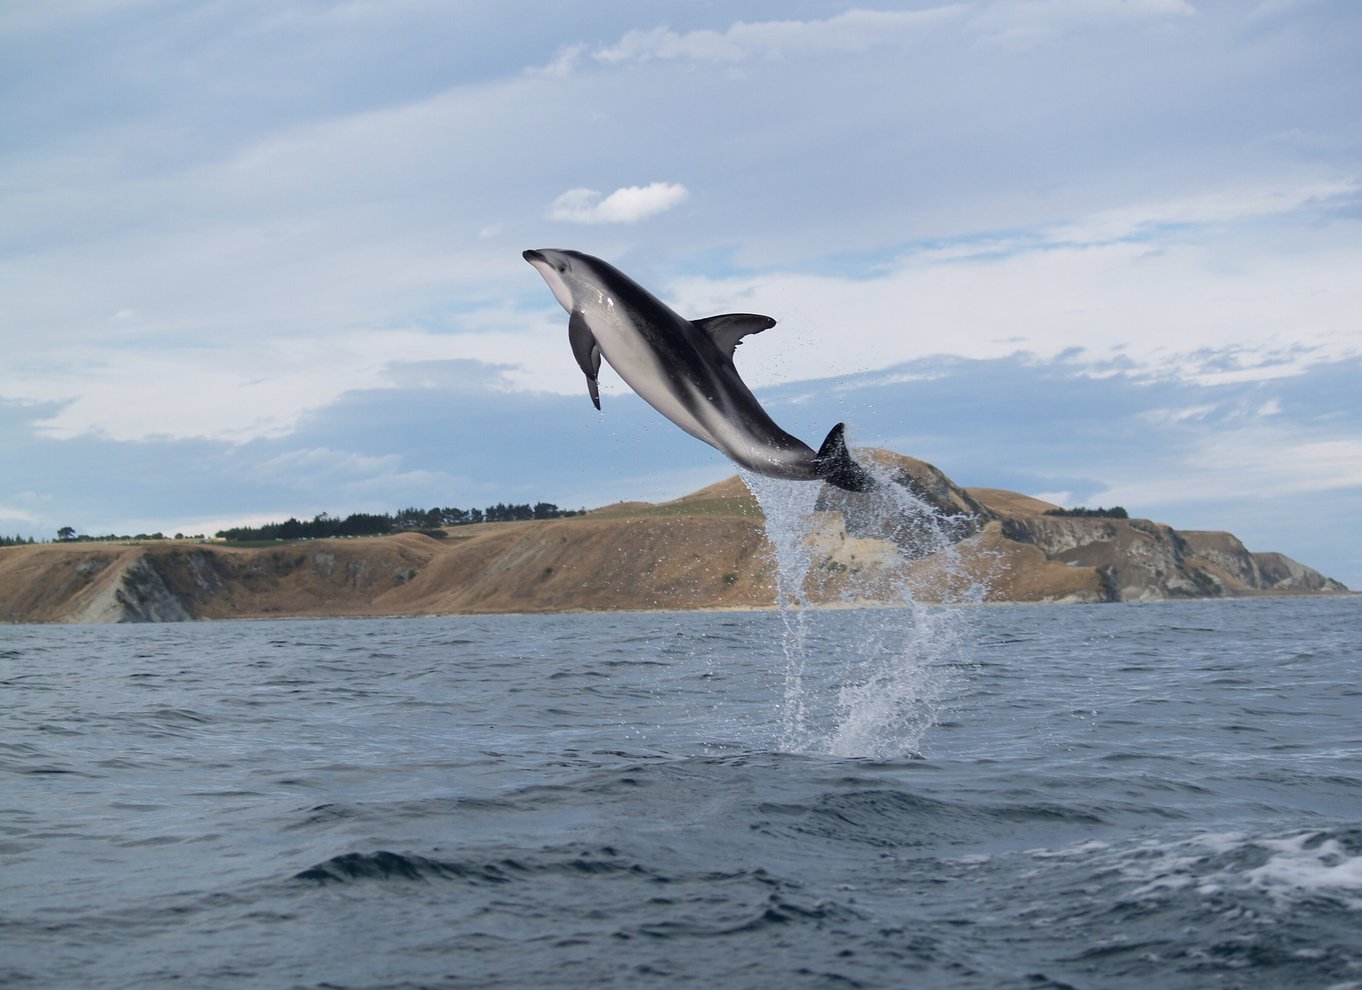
(262, 259)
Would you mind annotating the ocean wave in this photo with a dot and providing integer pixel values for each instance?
(384, 865)
(573, 862)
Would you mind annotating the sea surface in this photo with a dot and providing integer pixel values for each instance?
(1162, 795)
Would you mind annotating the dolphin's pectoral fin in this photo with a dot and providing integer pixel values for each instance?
(728, 329)
(594, 390)
(586, 352)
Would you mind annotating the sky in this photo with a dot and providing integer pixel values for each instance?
(262, 258)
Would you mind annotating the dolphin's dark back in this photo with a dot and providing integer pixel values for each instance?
(684, 369)
(690, 355)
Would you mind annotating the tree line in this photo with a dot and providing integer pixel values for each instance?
(1115, 512)
(324, 526)
(67, 534)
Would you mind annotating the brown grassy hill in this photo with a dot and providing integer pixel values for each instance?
(704, 550)
(1005, 503)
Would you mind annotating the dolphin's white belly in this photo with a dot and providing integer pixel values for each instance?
(635, 360)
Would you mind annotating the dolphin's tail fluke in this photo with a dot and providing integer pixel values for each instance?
(837, 467)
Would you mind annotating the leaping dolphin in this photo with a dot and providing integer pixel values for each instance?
(684, 369)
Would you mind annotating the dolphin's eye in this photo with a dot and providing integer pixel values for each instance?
(562, 266)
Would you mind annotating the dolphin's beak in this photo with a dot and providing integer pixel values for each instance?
(552, 276)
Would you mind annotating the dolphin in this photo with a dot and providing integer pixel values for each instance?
(684, 369)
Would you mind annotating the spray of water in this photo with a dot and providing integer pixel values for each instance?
(868, 587)
(789, 511)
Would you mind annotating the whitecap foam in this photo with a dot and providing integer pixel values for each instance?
(1216, 864)
(1309, 863)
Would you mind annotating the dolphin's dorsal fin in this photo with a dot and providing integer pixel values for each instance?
(587, 353)
(728, 329)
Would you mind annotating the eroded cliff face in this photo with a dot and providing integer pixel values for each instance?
(1279, 572)
(706, 550)
(1222, 555)
(160, 582)
(1137, 560)
(1140, 560)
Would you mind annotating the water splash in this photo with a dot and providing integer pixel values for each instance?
(866, 585)
(788, 507)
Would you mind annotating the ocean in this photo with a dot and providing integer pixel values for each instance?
(1159, 795)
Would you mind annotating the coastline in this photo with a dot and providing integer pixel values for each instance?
(707, 551)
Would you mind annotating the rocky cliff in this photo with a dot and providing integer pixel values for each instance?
(706, 550)
(1140, 560)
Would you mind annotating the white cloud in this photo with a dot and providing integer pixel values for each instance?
(13, 513)
(629, 204)
(1208, 412)
(239, 394)
(1019, 22)
(1217, 307)
(564, 62)
(860, 30)
(325, 463)
(1147, 220)
(1216, 287)
(1171, 417)
(1263, 462)
(1231, 204)
(851, 31)
(347, 476)
(663, 43)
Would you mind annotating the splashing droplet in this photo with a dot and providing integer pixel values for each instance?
(868, 586)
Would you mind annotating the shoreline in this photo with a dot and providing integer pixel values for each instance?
(719, 609)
